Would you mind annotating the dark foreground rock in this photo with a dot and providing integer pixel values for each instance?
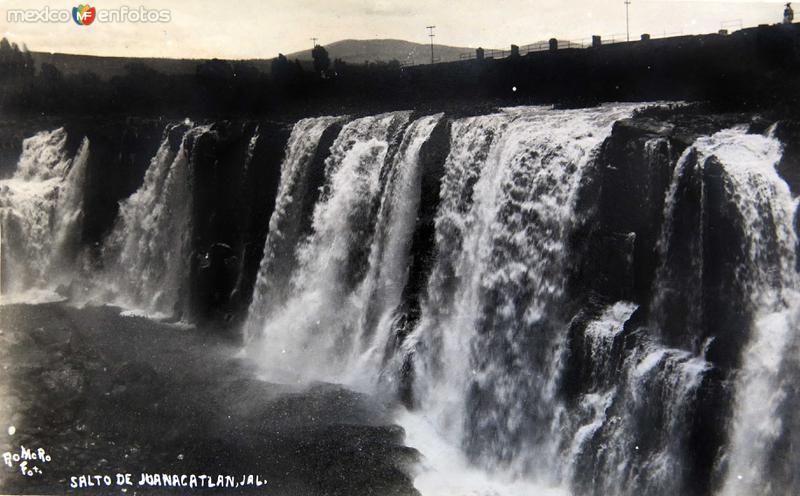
(105, 395)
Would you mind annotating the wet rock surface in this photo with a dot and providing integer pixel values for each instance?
(104, 394)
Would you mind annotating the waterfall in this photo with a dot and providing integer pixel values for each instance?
(627, 457)
(489, 343)
(634, 388)
(677, 303)
(379, 295)
(627, 432)
(509, 375)
(318, 321)
(611, 447)
(286, 220)
(763, 383)
(41, 210)
(146, 255)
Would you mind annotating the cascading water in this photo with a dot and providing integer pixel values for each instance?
(662, 383)
(489, 349)
(319, 318)
(510, 183)
(612, 449)
(490, 340)
(767, 210)
(379, 295)
(513, 383)
(41, 210)
(146, 256)
(678, 280)
(285, 222)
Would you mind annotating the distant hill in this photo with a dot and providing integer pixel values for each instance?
(406, 52)
(351, 51)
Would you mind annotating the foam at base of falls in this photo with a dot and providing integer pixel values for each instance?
(445, 470)
(146, 256)
(41, 213)
(31, 297)
(488, 347)
(484, 364)
(285, 222)
(319, 324)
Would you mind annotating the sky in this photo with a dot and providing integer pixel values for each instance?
(262, 28)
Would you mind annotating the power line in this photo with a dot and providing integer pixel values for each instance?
(430, 33)
(627, 19)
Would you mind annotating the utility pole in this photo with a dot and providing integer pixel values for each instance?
(430, 33)
(314, 41)
(627, 19)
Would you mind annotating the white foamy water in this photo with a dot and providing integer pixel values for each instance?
(445, 471)
(284, 224)
(487, 363)
(489, 355)
(41, 211)
(31, 297)
(146, 255)
(352, 228)
(767, 209)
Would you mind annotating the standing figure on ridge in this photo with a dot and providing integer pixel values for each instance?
(788, 14)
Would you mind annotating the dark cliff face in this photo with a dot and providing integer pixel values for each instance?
(618, 258)
(789, 167)
(622, 202)
(236, 172)
(235, 176)
(686, 296)
(119, 155)
(622, 205)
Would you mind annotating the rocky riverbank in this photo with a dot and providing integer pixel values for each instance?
(107, 395)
